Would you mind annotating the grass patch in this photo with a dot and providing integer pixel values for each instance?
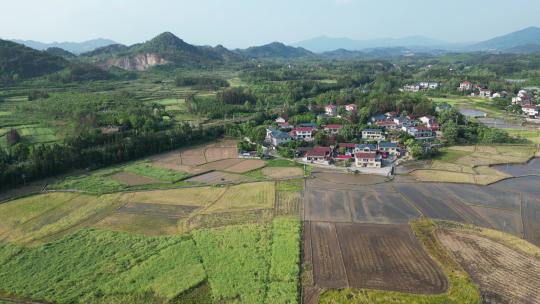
(38, 218)
(236, 260)
(447, 155)
(83, 266)
(285, 261)
(95, 183)
(281, 162)
(461, 289)
(532, 136)
(290, 185)
(245, 197)
(179, 261)
(162, 174)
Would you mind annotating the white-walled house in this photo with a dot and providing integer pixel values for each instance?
(465, 86)
(276, 137)
(368, 160)
(531, 110)
(303, 133)
(373, 134)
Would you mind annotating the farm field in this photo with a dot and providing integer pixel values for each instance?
(133, 176)
(472, 164)
(359, 256)
(503, 274)
(98, 266)
(479, 104)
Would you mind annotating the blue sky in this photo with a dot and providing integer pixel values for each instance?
(242, 23)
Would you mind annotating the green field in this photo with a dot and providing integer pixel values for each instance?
(474, 103)
(533, 136)
(102, 181)
(166, 175)
(254, 263)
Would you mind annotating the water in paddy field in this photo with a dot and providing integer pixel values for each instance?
(472, 113)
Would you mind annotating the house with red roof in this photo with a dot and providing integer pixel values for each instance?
(387, 124)
(465, 86)
(318, 155)
(303, 133)
(333, 128)
(331, 110)
(368, 160)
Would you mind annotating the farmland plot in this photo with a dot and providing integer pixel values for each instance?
(531, 219)
(504, 275)
(328, 266)
(380, 207)
(436, 204)
(388, 257)
(531, 168)
(217, 177)
(385, 257)
(325, 205)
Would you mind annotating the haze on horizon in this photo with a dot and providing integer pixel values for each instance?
(243, 23)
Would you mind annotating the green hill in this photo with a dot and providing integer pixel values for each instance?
(20, 62)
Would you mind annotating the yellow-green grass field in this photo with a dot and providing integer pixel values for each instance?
(253, 263)
(38, 218)
(471, 164)
(533, 136)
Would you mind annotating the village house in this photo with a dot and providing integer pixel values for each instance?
(331, 110)
(465, 86)
(318, 155)
(532, 111)
(387, 124)
(365, 148)
(430, 122)
(308, 124)
(373, 134)
(368, 160)
(276, 137)
(351, 108)
(411, 88)
(421, 132)
(428, 85)
(281, 119)
(389, 149)
(333, 128)
(378, 117)
(484, 93)
(285, 126)
(303, 133)
(346, 148)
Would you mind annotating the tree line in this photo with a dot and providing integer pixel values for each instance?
(21, 163)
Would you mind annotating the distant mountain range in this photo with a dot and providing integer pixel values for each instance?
(526, 40)
(325, 44)
(72, 47)
(17, 60)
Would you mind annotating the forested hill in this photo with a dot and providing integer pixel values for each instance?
(166, 48)
(276, 50)
(20, 62)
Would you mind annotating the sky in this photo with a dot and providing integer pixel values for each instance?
(243, 23)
